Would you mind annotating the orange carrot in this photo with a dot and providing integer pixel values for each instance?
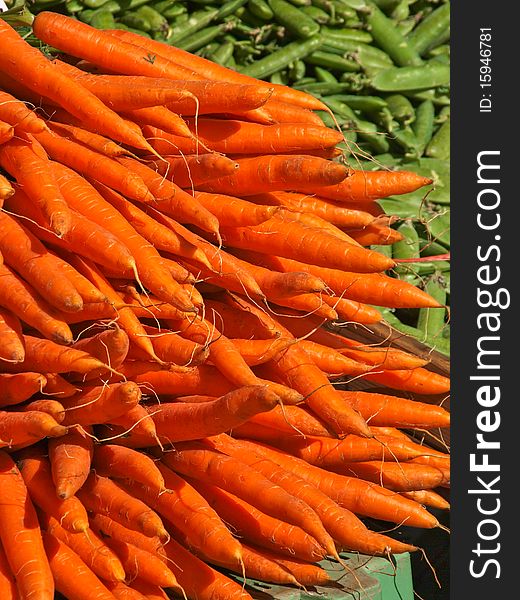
(6, 132)
(93, 141)
(365, 186)
(57, 386)
(99, 404)
(16, 113)
(90, 548)
(20, 530)
(240, 137)
(199, 461)
(109, 346)
(31, 259)
(135, 423)
(359, 496)
(93, 164)
(70, 458)
(19, 428)
(51, 407)
(84, 237)
(375, 234)
(7, 580)
(36, 472)
(209, 70)
(349, 310)
(18, 387)
(393, 411)
(190, 170)
(36, 177)
(184, 507)
(308, 244)
(103, 496)
(11, 341)
(124, 463)
(6, 189)
(149, 590)
(72, 576)
(419, 380)
(179, 421)
(161, 117)
(428, 498)
(331, 361)
(256, 352)
(233, 212)
(122, 591)
(291, 419)
(23, 61)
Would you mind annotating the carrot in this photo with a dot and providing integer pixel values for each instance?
(31, 260)
(199, 461)
(122, 591)
(198, 579)
(70, 457)
(233, 212)
(17, 428)
(307, 244)
(157, 234)
(419, 380)
(375, 234)
(237, 323)
(51, 407)
(6, 132)
(331, 361)
(256, 352)
(20, 531)
(437, 462)
(7, 579)
(209, 70)
(89, 139)
(105, 527)
(161, 117)
(16, 113)
(23, 61)
(240, 137)
(187, 171)
(6, 189)
(359, 496)
(136, 423)
(35, 176)
(172, 348)
(57, 386)
(428, 498)
(99, 404)
(73, 578)
(124, 463)
(141, 563)
(399, 477)
(337, 214)
(184, 507)
(254, 526)
(393, 411)
(103, 496)
(366, 186)
(18, 387)
(276, 172)
(84, 237)
(305, 574)
(90, 548)
(11, 341)
(346, 529)
(49, 357)
(90, 163)
(385, 357)
(290, 419)
(349, 310)
(109, 346)
(149, 590)
(179, 421)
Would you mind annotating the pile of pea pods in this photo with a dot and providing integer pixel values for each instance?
(382, 67)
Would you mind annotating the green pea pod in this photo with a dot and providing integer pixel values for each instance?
(326, 5)
(358, 5)
(163, 5)
(406, 248)
(433, 30)
(430, 247)
(280, 78)
(346, 35)
(222, 54)
(323, 88)
(443, 49)
(423, 125)
(297, 70)
(439, 146)
(126, 5)
(443, 115)
(431, 320)
(298, 23)
(102, 19)
(156, 20)
(401, 11)
(229, 8)
(389, 38)
(93, 3)
(396, 79)
(73, 6)
(136, 21)
(85, 15)
(280, 59)
(324, 75)
(406, 26)
(123, 27)
(382, 249)
(332, 61)
(363, 103)
(343, 11)
(401, 108)
(385, 118)
(201, 38)
(260, 9)
(196, 21)
(300, 3)
(174, 11)
(318, 14)
(438, 225)
(306, 80)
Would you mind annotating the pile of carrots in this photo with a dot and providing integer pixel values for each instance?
(173, 237)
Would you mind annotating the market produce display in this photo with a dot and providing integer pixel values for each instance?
(174, 236)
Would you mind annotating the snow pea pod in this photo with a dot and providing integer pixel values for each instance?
(396, 79)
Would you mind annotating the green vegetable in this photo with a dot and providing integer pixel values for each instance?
(260, 9)
(439, 146)
(332, 61)
(293, 19)
(396, 79)
(423, 125)
(431, 320)
(433, 30)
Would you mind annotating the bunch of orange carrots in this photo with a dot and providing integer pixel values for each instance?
(173, 236)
